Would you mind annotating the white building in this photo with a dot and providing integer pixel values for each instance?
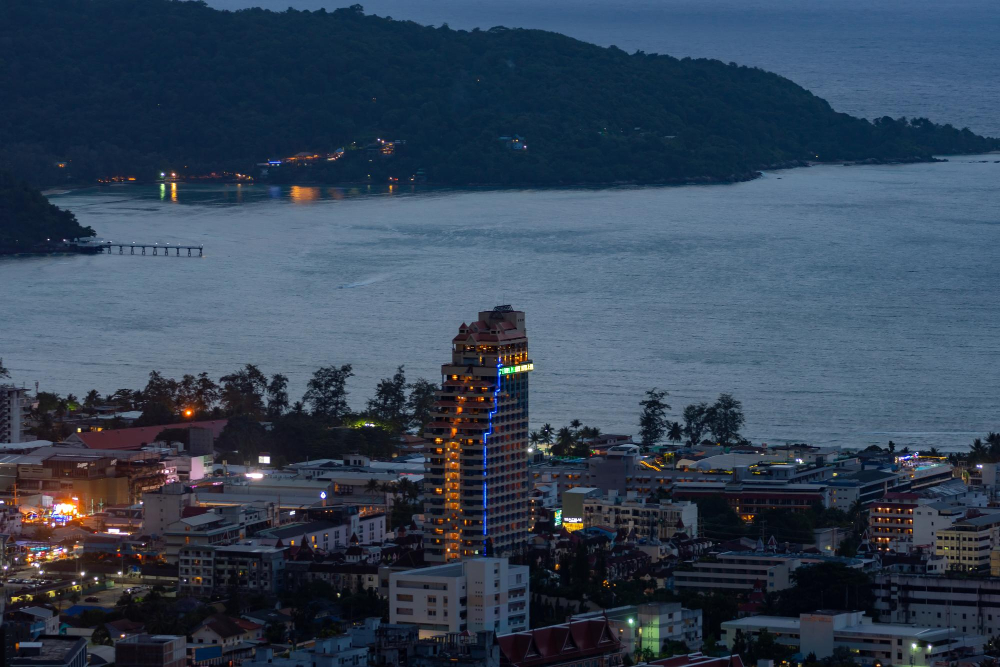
(870, 643)
(14, 407)
(652, 521)
(651, 625)
(970, 605)
(475, 595)
(327, 535)
(739, 571)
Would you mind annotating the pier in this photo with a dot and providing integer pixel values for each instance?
(109, 246)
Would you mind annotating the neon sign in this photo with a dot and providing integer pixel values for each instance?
(521, 368)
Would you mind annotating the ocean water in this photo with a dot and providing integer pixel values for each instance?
(842, 305)
(869, 58)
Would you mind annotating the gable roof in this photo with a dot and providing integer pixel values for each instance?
(226, 626)
(135, 438)
(558, 643)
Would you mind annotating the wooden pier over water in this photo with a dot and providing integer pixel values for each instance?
(109, 246)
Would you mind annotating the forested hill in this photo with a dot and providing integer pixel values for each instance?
(119, 87)
(28, 221)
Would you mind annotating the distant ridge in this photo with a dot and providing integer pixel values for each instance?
(118, 88)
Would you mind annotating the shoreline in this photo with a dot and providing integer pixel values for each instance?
(731, 179)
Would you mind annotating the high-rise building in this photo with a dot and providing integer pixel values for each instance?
(476, 471)
(14, 406)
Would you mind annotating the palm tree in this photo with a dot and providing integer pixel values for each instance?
(575, 424)
(547, 432)
(978, 451)
(993, 441)
(372, 485)
(564, 442)
(534, 438)
(675, 432)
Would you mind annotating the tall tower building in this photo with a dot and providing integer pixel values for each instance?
(476, 474)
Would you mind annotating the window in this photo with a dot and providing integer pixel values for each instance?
(404, 598)
(432, 599)
(404, 611)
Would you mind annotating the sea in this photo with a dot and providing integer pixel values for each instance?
(844, 306)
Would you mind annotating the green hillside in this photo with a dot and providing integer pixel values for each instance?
(28, 221)
(126, 88)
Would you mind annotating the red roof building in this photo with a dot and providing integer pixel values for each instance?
(568, 643)
(136, 438)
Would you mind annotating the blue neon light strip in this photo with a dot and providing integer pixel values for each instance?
(496, 403)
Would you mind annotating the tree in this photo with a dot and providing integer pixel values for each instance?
(653, 419)
(92, 399)
(564, 442)
(326, 392)
(4, 373)
(372, 485)
(388, 405)
(206, 393)
(695, 422)
(243, 392)
(675, 432)
(725, 419)
(547, 433)
(277, 396)
(242, 434)
(827, 585)
(420, 403)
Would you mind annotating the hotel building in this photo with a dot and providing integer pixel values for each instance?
(476, 471)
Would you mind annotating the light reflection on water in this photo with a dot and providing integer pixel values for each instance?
(842, 305)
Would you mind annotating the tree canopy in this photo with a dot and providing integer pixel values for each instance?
(28, 219)
(189, 89)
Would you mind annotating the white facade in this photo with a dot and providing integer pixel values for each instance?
(14, 407)
(741, 570)
(476, 594)
(654, 521)
(970, 605)
(870, 643)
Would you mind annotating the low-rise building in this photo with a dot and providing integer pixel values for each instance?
(227, 632)
(151, 651)
(869, 643)
(970, 605)
(203, 570)
(50, 651)
(589, 642)
(967, 544)
(329, 535)
(745, 571)
(472, 595)
(651, 625)
(331, 652)
(650, 521)
(219, 526)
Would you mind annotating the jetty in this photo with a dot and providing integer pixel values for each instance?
(164, 249)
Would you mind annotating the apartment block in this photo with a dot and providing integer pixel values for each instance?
(970, 605)
(967, 544)
(739, 571)
(472, 595)
(204, 569)
(652, 521)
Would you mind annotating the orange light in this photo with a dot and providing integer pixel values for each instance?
(188, 412)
